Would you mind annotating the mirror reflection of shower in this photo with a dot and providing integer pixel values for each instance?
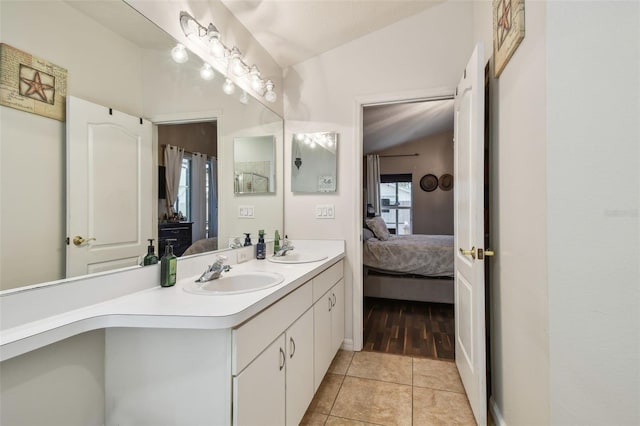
(314, 162)
(254, 164)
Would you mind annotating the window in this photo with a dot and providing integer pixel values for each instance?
(395, 203)
(183, 202)
(185, 194)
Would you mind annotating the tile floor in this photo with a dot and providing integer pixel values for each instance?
(370, 388)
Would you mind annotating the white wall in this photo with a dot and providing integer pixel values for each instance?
(593, 185)
(426, 52)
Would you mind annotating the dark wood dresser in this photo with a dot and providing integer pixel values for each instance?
(178, 231)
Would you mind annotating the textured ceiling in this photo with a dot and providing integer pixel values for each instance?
(295, 30)
(385, 126)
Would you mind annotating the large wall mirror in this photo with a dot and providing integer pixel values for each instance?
(314, 162)
(254, 165)
(117, 58)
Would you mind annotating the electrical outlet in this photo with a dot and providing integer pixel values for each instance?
(245, 254)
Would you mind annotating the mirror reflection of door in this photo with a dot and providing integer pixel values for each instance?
(188, 213)
(109, 214)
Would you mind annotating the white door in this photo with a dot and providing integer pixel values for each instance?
(469, 234)
(109, 188)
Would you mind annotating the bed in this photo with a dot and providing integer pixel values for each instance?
(408, 267)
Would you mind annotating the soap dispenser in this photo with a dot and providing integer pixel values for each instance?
(261, 249)
(150, 258)
(168, 266)
(247, 239)
(276, 242)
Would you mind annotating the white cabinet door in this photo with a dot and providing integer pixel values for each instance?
(337, 317)
(322, 337)
(259, 391)
(299, 341)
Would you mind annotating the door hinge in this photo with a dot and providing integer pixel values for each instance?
(66, 240)
(110, 111)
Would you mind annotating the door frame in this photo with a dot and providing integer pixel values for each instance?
(360, 103)
(184, 118)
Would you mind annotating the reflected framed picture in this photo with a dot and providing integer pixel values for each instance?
(508, 31)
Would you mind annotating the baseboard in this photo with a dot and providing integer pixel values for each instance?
(498, 420)
(347, 345)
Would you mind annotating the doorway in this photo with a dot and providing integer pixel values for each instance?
(407, 295)
(189, 217)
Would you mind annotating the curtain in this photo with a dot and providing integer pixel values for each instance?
(213, 197)
(199, 195)
(373, 182)
(173, 166)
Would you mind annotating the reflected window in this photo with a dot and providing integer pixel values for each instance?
(396, 202)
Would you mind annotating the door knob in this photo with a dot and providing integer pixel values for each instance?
(471, 252)
(78, 240)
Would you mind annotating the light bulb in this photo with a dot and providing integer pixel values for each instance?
(228, 87)
(244, 98)
(179, 54)
(216, 46)
(256, 82)
(206, 72)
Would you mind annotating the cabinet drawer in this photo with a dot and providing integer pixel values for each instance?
(323, 282)
(250, 338)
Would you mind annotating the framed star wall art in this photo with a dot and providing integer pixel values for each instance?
(508, 31)
(32, 84)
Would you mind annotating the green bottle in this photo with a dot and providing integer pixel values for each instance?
(168, 267)
(150, 258)
(276, 242)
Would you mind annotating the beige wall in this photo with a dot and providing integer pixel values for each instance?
(432, 211)
(59, 385)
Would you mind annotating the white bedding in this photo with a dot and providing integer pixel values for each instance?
(426, 255)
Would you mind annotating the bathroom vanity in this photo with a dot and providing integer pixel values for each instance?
(175, 358)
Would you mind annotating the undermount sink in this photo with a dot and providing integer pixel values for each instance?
(235, 283)
(297, 257)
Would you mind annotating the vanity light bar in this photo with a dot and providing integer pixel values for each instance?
(231, 59)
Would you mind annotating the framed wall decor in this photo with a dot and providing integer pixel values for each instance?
(32, 84)
(508, 31)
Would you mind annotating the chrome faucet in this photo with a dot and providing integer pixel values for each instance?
(284, 248)
(214, 271)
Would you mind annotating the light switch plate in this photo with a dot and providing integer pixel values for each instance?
(325, 211)
(246, 212)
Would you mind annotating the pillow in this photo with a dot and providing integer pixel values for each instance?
(379, 228)
(367, 234)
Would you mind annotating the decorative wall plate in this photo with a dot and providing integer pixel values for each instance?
(445, 182)
(429, 182)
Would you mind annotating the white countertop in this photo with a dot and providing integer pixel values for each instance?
(171, 307)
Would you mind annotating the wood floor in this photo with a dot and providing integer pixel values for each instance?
(409, 328)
